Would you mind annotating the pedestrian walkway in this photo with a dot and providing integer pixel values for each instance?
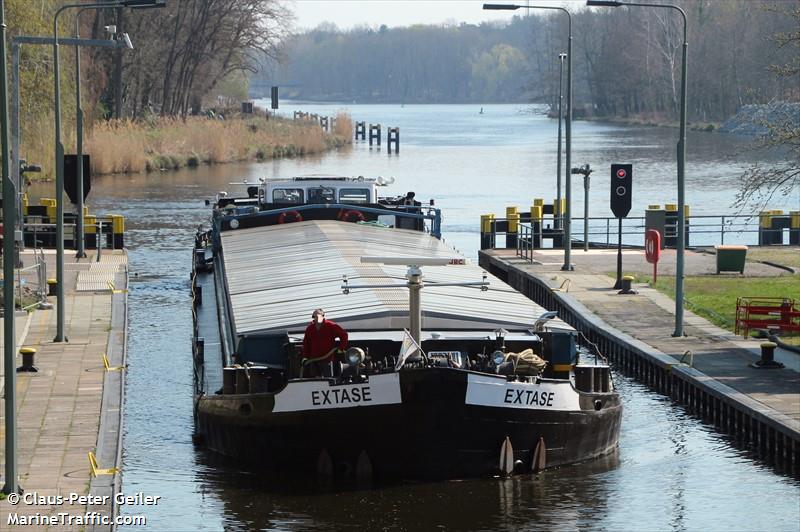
(649, 317)
(59, 407)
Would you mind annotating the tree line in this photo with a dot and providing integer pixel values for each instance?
(626, 61)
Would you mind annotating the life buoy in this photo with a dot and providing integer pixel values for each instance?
(295, 217)
(352, 215)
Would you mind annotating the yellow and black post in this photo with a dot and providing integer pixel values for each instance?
(536, 225)
(512, 231)
(487, 231)
(118, 228)
(90, 231)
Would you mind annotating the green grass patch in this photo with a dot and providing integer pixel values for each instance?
(714, 298)
(786, 256)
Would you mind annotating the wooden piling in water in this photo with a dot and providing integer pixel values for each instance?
(361, 131)
(392, 137)
(375, 133)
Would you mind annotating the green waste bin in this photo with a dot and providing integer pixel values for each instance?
(731, 258)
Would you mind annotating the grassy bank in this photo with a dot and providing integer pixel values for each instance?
(169, 143)
(714, 298)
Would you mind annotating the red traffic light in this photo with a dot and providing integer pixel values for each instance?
(621, 173)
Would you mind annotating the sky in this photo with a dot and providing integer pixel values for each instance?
(348, 13)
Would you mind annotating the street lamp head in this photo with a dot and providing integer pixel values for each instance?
(125, 41)
(604, 3)
(500, 7)
(142, 4)
(562, 56)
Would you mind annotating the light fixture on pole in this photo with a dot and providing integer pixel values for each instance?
(681, 240)
(567, 266)
(59, 150)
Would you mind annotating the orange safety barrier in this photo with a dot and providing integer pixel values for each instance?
(772, 313)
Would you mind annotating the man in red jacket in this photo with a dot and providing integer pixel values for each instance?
(320, 340)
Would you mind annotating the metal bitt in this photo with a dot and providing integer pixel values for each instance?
(414, 285)
(9, 215)
(414, 276)
(681, 239)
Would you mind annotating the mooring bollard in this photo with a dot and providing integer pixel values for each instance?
(374, 133)
(487, 221)
(28, 354)
(392, 137)
(794, 225)
(242, 381)
(536, 224)
(767, 357)
(626, 285)
(512, 219)
(259, 380)
(228, 380)
(361, 131)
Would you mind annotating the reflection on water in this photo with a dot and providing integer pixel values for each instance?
(671, 471)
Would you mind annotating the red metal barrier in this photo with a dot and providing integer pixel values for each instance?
(773, 313)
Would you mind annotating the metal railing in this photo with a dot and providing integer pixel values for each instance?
(33, 278)
(701, 231)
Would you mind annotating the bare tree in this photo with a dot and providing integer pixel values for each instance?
(761, 183)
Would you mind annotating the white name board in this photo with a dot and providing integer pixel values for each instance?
(320, 395)
(486, 390)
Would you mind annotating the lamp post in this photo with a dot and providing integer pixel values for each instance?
(60, 151)
(81, 252)
(9, 213)
(567, 266)
(681, 240)
(561, 58)
(16, 170)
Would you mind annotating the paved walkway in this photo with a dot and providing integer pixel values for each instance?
(649, 316)
(59, 408)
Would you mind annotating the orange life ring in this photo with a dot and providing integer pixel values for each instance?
(296, 217)
(352, 215)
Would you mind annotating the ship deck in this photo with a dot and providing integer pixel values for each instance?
(276, 275)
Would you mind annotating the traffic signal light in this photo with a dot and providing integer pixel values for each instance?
(621, 182)
(274, 95)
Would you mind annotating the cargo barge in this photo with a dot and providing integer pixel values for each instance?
(447, 372)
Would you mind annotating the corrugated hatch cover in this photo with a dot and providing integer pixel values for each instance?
(277, 275)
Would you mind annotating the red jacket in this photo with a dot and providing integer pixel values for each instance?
(318, 342)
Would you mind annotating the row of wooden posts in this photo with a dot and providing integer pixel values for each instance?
(392, 135)
(326, 122)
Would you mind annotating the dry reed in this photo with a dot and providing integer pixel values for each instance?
(164, 143)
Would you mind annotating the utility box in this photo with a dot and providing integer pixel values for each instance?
(731, 258)
(655, 218)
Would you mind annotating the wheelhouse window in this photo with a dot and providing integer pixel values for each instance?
(321, 195)
(354, 195)
(287, 195)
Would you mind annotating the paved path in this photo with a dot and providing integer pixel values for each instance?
(59, 408)
(649, 317)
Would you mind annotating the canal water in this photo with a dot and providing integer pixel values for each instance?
(671, 471)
